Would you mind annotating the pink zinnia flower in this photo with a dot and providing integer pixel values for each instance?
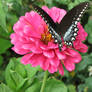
(31, 39)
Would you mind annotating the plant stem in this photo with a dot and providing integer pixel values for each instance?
(44, 81)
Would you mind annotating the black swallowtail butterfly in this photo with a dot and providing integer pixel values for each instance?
(67, 27)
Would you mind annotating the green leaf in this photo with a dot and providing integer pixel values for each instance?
(81, 87)
(14, 74)
(89, 81)
(18, 75)
(2, 75)
(89, 84)
(54, 85)
(90, 59)
(35, 87)
(4, 88)
(2, 16)
(19, 1)
(73, 4)
(63, 1)
(31, 71)
(4, 45)
(88, 28)
(19, 81)
(1, 60)
(10, 82)
(71, 88)
(83, 64)
(20, 68)
(86, 60)
(12, 18)
(49, 2)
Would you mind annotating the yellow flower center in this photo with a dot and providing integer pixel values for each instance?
(46, 36)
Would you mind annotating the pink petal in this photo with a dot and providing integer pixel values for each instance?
(76, 59)
(60, 55)
(54, 61)
(50, 45)
(32, 47)
(46, 9)
(83, 48)
(57, 14)
(81, 33)
(14, 37)
(36, 60)
(20, 50)
(80, 46)
(52, 69)
(69, 65)
(49, 53)
(61, 70)
(71, 52)
(45, 65)
(26, 58)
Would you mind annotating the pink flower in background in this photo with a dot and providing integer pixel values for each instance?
(31, 39)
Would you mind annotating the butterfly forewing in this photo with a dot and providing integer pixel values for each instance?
(45, 16)
(69, 22)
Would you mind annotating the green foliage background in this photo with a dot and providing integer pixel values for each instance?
(15, 77)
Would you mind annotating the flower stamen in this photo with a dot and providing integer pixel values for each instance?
(46, 36)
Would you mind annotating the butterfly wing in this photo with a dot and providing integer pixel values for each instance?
(52, 26)
(48, 20)
(68, 26)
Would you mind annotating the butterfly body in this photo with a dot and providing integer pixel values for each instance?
(67, 29)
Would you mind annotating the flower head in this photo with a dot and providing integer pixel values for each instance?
(32, 39)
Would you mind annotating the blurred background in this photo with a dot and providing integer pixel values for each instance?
(15, 77)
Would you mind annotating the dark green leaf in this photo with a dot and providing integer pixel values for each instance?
(1, 60)
(4, 45)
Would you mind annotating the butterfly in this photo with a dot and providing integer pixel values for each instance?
(68, 26)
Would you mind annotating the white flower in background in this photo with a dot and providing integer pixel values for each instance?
(9, 5)
(90, 70)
